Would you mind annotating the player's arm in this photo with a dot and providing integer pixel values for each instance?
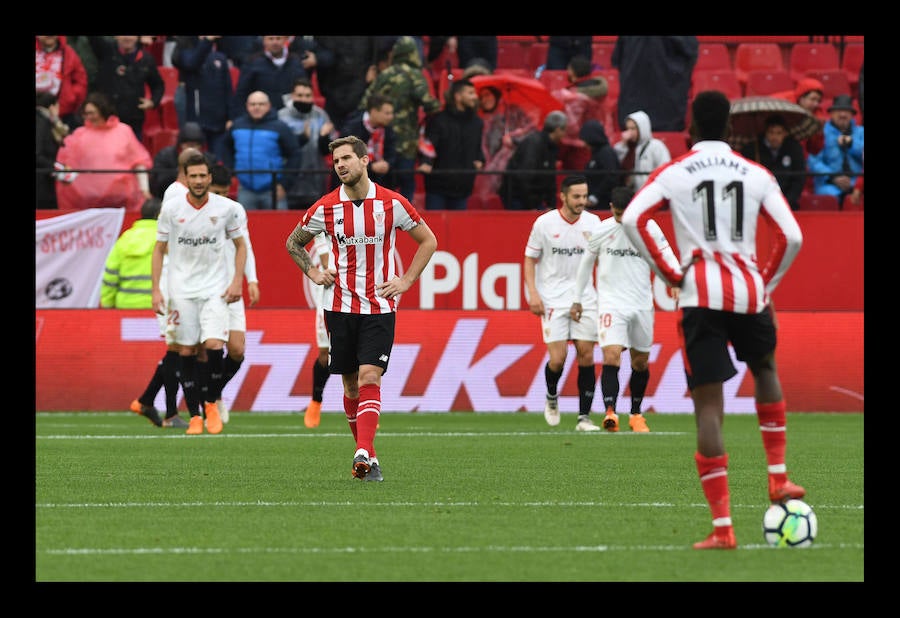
(250, 269)
(427, 242)
(156, 264)
(235, 287)
(296, 248)
(636, 224)
(535, 304)
(582, 275)
(787, 238)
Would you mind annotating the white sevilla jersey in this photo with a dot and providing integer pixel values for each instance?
(716, 197)
(362, 238)
(197, 239)
(558, 245)
(623, 275)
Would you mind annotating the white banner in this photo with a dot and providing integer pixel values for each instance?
(70, 252)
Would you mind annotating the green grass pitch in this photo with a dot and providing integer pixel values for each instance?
(466, 498)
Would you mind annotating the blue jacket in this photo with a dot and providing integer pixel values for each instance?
(268, 144)
(831, 157)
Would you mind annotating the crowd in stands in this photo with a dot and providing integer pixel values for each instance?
(267, 106)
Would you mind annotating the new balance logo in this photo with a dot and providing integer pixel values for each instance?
(383, 358)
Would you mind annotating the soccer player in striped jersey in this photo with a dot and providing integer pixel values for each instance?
(557, 240)
(717, 197)
(198, 225)
(360, 219)
(624, 307)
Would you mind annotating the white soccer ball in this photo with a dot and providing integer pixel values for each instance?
(790, 524)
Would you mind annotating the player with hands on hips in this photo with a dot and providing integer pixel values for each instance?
(717, 199)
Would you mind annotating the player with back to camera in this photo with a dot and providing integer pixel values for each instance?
(360, 219)
(717, 198)
(624, 307)
(558, 239)
(199, 288)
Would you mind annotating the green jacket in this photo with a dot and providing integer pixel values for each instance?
(126, 277)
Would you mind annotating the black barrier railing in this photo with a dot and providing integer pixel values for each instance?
(274, 173)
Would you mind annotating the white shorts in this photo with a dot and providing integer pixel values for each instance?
(237, 316)
(629, 328)
(195, 320)
(557, 325)
(322, 339)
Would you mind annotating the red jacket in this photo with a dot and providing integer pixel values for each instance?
(73, 78)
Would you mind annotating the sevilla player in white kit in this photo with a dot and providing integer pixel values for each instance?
(193, 230)
(624, 307)
(360, 221)
(717, 198)
(557, 240)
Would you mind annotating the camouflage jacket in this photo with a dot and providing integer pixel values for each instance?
(406, 85)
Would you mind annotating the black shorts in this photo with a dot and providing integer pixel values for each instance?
(359, 339)
(706, 334)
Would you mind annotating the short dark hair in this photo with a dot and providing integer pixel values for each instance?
(150, 208)
(196, 158)
(456, 86)
(103, 103)
(776, 120)
(376, 100)
(580, 66)
(221, 175)
(568, 181)
(620, 196)
(302, 81)
(710, 112)
(42, 98)
(360, 148)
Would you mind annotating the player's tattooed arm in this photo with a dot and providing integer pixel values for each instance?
(296, 247)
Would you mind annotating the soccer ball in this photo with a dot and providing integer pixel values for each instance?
(790, 524)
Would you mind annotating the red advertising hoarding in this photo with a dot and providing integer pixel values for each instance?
(478, 265)
(443, 360)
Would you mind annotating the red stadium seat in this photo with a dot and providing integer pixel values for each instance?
(512, 55)
(157, 138)
(601, 55)
(678, 142)
(554, 79)
(712, 57)
(755, 57)
(537, 56)
(723, 80)
(851, 62)
(834, 82)
(764, 82)
(807, 57)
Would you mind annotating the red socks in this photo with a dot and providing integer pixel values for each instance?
(350, 406)
(713, 473)
(772, 428)
(367, 417)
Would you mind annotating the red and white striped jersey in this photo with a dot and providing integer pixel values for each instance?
(362, 238)
(716, 196)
